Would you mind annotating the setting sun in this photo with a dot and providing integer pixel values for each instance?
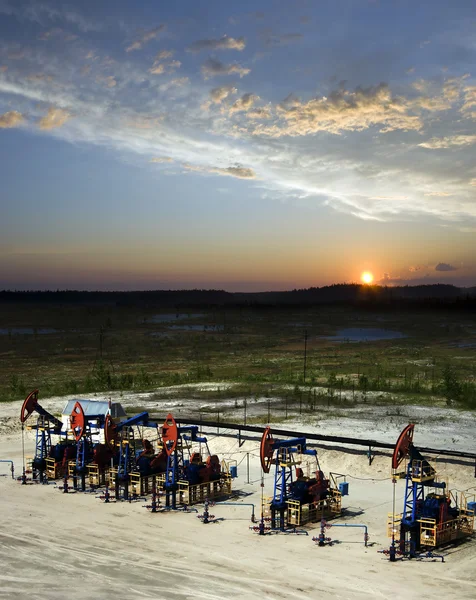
(367, 277)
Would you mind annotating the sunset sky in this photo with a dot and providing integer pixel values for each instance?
(252, 145)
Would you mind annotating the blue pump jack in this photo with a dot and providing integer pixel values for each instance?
(46, 425)
(175, 462)
(127, 458)
(280, 452)
(172, 437)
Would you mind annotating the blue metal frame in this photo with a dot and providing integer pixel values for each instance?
(283, 475)
(414, 492)
(125, 458)
(43, 441)
(81, 453)
(175, 462)
(283, 478)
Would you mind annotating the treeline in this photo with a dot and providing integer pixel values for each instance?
(425, 296)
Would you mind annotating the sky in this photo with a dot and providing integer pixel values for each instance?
(245, 146)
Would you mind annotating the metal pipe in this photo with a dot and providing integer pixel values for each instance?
(366, 536)
(328, 438)
(12, 468)
(253, 520)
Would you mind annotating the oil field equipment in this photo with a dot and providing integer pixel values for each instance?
(191, 480)
(137, 462)
(46, 426)
(92, 457)
(432, 515)
(301, 498)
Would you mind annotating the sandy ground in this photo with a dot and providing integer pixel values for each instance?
(74, 546)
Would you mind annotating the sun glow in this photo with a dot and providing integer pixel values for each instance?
(367, 277)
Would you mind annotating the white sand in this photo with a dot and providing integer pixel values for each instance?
(54, 545)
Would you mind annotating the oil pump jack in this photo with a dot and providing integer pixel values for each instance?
(46, 426)
(432, 515)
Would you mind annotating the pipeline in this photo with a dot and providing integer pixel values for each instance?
(12, 468)
(366, 535)
(253, 519)
(431, 555)
(318, 437)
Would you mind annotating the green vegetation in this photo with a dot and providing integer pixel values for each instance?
(102, 348)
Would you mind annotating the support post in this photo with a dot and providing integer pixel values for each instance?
(370, 455)
(305, 358)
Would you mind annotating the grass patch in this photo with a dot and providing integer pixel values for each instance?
(106, 348)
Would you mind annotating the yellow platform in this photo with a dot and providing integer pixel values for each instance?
(211, 490)
(328, 508)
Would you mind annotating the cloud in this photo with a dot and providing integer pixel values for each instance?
(388, 280)
(219, 94)
(161, 159)
(47, 35)
(85, 70)
(415, 268)
(438, 194)
(57, 33)
(173, 65)
(449, 142)
(178, 82)
(109, 81)
(259, 113)
(353, 173)
(237, 171)
(3, 69)
(10, 119)
(163, 55)
(243, 104)
(445, 267)
(472, 182)
(421, 85)
(37, 12)
(452, 87)
(240, 172)
(158, 69)
(16, 54)
(343, 110)
(55, 117)
(223, 43)
(213, 67)
(39, 77)
(469, 106)
(144, 38)
(396, 198)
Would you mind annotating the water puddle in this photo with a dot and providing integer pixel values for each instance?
(26, 330)
(356, 334)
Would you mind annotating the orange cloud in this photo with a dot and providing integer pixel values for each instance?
(55, 117)
(10, 119)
